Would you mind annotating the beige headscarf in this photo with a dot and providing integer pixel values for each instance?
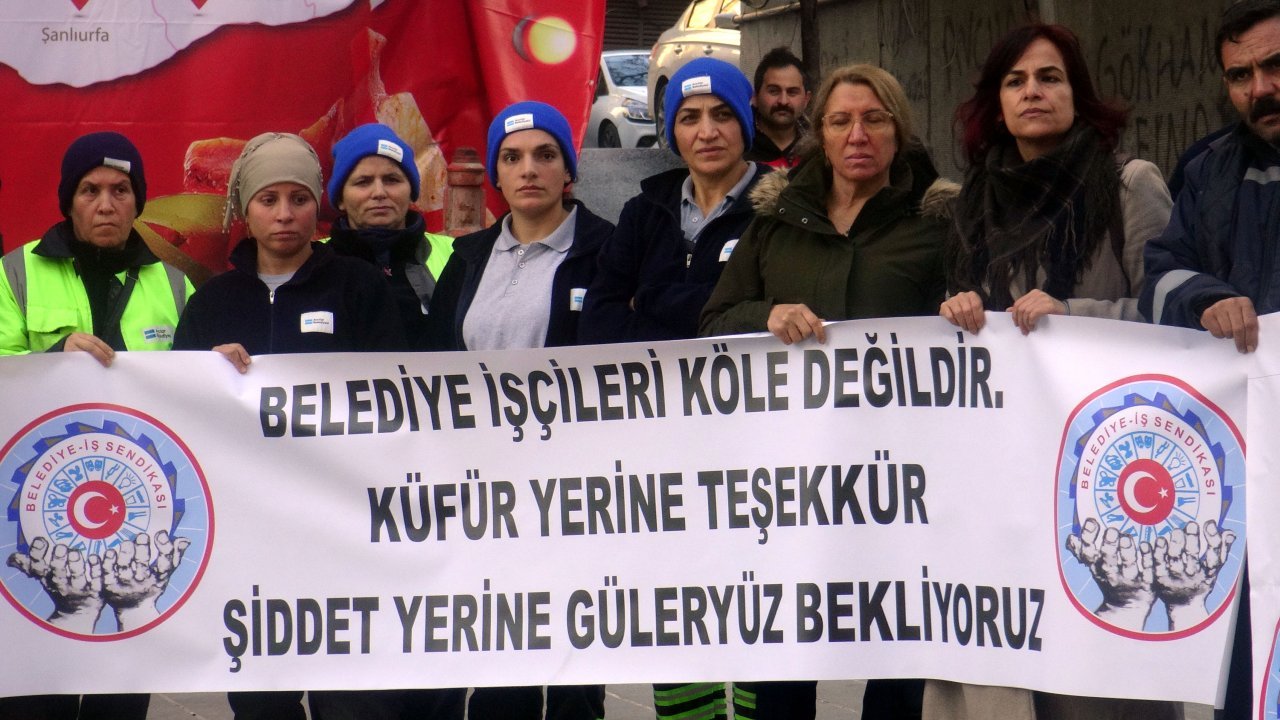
(266, 160)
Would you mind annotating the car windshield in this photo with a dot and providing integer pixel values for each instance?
(628, 70)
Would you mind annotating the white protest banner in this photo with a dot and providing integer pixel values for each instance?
(903, 501)
(1264, 531)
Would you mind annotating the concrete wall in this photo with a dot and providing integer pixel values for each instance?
(1155, 56)
(609, 177)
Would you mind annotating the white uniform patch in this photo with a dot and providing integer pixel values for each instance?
(386, 148)
(523, 121)
(123, 166)
(700, 85)
(727, 250)
(320, 321)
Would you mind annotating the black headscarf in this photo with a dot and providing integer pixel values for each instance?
(1015, 218)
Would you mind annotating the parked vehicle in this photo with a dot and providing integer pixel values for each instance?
(620, 114)
(707, 28)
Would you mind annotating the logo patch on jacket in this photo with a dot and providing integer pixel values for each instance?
(577, 296)
(158, 334)
(320, 321)
(727, 250)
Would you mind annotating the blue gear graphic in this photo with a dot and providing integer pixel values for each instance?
(1161, 402)
(109, 427)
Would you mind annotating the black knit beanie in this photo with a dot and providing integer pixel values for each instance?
(96, 150)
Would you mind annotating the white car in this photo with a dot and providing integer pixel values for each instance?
(620, 114)
(706, 28)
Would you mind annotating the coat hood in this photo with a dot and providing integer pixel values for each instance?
(931, 194)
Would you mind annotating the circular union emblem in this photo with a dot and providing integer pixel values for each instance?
(1149, 508)
(109, 523)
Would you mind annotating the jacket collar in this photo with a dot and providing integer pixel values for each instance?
(589, 230)
(57, 243)
(406, 247)
(244, 258)
(765, 143)
(799, 197)
(1261, 153)
(664, 190)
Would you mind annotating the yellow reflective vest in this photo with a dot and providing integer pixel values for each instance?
(43, 300)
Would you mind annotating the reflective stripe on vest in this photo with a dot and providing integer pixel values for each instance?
(439, 248)
(52, 298)
(15, 270)
(422, 275)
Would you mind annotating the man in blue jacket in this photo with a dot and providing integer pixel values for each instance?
(1216, 265)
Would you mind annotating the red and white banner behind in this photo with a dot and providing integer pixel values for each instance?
(190, 80)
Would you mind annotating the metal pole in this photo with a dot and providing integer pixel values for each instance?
(810, 48)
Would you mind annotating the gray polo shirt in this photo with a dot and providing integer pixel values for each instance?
(691, 218)
(512, 306)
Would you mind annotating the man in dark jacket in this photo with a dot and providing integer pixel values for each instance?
(1215, 266)
(1211, 268)
(782, 92)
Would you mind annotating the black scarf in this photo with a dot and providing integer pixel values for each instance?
(98, 268)
(384, 247)
(1014, 218)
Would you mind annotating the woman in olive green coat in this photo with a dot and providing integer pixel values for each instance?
(856, 230)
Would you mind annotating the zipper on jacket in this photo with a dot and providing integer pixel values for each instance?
(271, 320)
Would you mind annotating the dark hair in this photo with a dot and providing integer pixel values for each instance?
(781, 57)
(978, 117)
(1239, 18)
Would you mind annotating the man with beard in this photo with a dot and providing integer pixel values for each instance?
(781, 96)
(1213, 267)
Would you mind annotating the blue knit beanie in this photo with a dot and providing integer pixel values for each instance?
(366, 140)
(708, 76)
(530, 115)
(96, 150)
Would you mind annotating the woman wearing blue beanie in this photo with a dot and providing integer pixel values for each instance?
(660, 266)
(375, 181)
(520, 284)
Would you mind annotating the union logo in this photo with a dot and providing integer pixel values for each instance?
(109, 523)
(1150, 518)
